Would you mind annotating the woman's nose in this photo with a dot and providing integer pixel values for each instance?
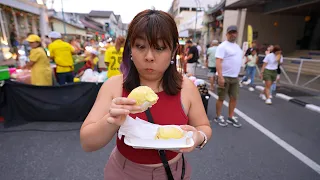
(149, 55)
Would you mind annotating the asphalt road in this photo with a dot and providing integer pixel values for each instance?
(232, 154)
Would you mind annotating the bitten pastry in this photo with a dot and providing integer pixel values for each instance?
(144, 96)
(169, 133)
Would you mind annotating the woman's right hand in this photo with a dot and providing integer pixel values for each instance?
(121, 107)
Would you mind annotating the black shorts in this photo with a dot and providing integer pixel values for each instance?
(212, 69)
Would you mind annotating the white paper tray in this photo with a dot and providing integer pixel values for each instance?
(172, 144)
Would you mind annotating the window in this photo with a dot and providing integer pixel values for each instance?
(184, 9)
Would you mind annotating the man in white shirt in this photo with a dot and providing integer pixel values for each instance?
(228, 64)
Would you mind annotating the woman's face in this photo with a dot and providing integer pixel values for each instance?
(34, 44)
(151, 62)
(270, 48)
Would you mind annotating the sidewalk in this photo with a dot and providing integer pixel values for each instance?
(308, 96)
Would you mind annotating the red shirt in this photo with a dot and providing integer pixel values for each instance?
(167, 111)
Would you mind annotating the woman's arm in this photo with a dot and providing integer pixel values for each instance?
(197, 114)
(96, 132)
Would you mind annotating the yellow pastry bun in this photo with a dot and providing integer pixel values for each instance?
(169, 132)
(144, 96)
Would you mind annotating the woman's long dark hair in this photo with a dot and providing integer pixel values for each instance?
(156, 25)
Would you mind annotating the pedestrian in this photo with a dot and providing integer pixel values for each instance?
(61, 53)
(251, 63)
(113, 57)
(192, 58)
(228, 64)
(211, 62)
(41, 72)
(245, 80)
(269, 71)
(148, 59)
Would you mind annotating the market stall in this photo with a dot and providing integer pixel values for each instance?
(22, 103)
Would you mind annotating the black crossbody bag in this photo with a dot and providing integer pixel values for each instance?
(162, 154)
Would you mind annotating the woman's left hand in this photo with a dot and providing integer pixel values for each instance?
(197, 138)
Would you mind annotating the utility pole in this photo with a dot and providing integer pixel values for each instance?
(195, 26)
(64, 20)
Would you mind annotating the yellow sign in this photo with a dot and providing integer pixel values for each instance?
(250, 35)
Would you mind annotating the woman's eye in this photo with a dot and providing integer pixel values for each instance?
(160, 48)
(140, 46)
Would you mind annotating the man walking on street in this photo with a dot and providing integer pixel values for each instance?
(228, 64)
(192, 58)
(211, 62)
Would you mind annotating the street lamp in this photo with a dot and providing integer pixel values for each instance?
(64, 20)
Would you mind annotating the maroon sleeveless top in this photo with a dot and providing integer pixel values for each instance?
(167, 111)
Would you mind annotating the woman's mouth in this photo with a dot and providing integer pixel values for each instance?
(149, 70)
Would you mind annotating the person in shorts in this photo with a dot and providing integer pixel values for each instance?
(211, 62)
(191, 58)
(228, 64)
(269, 71)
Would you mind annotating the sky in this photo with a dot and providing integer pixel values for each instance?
(126, 8)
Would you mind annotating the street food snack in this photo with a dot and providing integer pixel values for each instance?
(169, 132)
(144, 96)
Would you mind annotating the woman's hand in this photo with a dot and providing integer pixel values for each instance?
(261, 75)
(121, 107)
(197, 138)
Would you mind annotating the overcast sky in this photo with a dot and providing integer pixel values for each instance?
(126, 8)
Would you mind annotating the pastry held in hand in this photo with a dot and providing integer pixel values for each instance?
(169, 132)
(144, 96)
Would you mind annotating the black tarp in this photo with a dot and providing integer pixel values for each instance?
(23, 103)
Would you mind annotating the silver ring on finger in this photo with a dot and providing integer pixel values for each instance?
(110, 111)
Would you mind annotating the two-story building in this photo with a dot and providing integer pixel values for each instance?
(112, 23)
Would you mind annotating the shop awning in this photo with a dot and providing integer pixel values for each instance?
(242, 4)
(91, 26)
(217, 7)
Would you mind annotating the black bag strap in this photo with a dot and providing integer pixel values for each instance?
(161, 153)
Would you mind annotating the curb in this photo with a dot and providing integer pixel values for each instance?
(311, 107)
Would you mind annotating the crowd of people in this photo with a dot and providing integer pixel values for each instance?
(104, 56)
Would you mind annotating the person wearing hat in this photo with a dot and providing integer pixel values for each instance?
(41, 73)
(61, 52)
(228, 64)
(211, 62)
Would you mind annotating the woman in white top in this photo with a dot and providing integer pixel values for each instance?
(269, 71)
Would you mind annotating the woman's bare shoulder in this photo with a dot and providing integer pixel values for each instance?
(187, 84)
(188, 87)
(113, 85)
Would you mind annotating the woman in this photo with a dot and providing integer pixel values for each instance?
(251, 63)
(149, 59)
(41, 72)
(269, 71)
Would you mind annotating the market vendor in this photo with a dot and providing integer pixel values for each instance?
(91, 63)
(61, 52)
(41, 73)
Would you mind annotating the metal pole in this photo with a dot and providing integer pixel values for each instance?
(64, 21)
(299, 71)
(195, 27)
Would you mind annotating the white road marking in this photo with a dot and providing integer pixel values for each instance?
(303, 158)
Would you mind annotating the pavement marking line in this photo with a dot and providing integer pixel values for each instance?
(303, 158)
